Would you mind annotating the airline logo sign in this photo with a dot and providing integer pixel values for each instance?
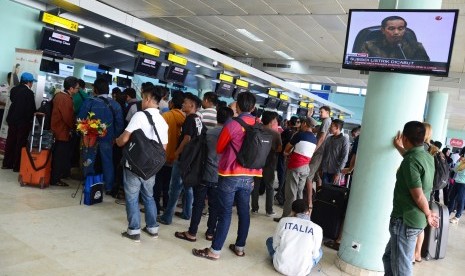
(60, 22)
(456, 143)
(60, 38)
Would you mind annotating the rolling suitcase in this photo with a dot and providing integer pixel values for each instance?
(329, 209)
(435, 242)
(36, 164)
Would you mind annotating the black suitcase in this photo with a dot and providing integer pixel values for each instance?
(329, 209)
(435, 243)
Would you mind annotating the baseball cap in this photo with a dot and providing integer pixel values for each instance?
(27, 77)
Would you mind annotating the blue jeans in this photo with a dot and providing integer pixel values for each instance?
(173, 195)
(232, 188)
(133, 186)
(269, 246)
(200, 193)
(328, 178)
(106, 155)
(458, 197)
(398, 256)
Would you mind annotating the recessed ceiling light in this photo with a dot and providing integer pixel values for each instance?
(246, 54)
(81, 26)
(250, 35)
(107, 35)
(284, 55)
(197, 66)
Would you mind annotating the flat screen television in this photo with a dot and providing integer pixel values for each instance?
(224, 89)
(123, 82)
(283, 106)
(50, 66)
(147, 67)
(238, 91)
(302, 112)
(271, 103)
(58, 44)
(175, 74)
(409, 41)
(105, 76)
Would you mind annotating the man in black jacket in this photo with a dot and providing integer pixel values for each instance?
(19, 121)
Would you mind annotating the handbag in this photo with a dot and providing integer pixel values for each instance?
(143, 156)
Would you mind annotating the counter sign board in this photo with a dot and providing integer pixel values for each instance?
(59, 22)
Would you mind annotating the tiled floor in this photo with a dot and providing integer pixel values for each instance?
(46, 232)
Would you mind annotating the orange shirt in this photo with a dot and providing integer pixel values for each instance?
(175, 119)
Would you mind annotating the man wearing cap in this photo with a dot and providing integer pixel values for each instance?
(19, 121)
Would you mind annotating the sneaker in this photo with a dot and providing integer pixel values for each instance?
(454, 220)
(254, 212)
(152, 235)
(134, 238)
(272, 214)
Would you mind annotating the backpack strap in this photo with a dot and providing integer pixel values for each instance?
(149, 117)
(107, 102)
(244, 125)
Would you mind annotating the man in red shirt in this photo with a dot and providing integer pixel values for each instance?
(235, 182)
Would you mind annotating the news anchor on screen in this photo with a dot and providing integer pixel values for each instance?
(394, 43)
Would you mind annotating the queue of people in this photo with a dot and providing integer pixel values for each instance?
(302, 153)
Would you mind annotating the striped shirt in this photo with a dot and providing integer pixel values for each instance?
(208, 117)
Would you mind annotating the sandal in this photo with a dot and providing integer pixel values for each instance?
(183, 236)
(333, 245)
(203, 253)
(208, 237)
(238, 253)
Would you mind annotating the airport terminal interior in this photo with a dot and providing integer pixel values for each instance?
(295, 56)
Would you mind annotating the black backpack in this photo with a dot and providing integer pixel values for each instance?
(441, 171)
(144, 157)
(256, 146)
(46, 107)
(193, 160)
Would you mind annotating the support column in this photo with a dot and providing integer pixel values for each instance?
(436, 113)
(444, 132)
(392, 100)
(78, 71)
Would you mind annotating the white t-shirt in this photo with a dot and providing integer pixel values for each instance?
(296, 242)
(140, 121)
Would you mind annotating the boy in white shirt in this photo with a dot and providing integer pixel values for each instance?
(296, 244)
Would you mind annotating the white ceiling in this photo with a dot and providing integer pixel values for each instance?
(311, 31)
(308, 30)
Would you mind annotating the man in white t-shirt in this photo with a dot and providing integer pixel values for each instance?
(296, 244)
(133, 184)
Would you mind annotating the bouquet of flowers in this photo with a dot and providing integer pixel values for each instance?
(91, 128)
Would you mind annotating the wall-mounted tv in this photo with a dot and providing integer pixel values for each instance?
(238, 91)
(107, 77)
(147, 67)
(123, 82)
(405, 41)
(224, 89)
(302, 112)
(271, 103)
(283, 106)
(58, 44)
(49, 66)
(175, 74)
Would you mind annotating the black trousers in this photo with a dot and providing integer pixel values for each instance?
(16, 139)
(61, 161)
(267, 180)
(161, 187)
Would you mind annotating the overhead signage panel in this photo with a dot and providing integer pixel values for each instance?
(60, 22)
(177, 59)
(148, 50)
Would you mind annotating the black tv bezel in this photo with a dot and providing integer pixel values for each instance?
(400, 70)
(265, 104)
(42, 66)
(238, 91)
(54, 54)
(218, 85)
(136, 63)
(171, 80)
(298, 112)
(110, 82)
(119, 80)
(279, 108)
